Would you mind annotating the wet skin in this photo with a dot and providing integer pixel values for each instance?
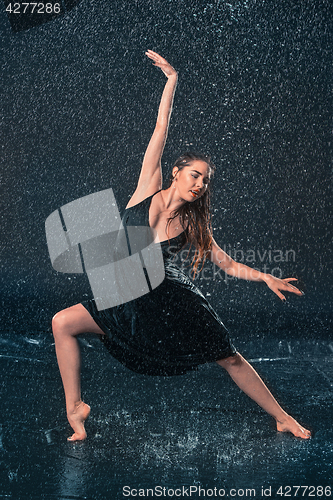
(192, 181)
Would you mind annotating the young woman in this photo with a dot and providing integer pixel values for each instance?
(172, 329)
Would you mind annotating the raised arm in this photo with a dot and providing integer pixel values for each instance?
(150, 179)
(233, 268)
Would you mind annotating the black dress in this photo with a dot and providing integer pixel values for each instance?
(169, 331)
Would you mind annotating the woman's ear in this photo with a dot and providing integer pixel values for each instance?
(175, 170)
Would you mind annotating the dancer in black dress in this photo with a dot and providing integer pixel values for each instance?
(173, 328)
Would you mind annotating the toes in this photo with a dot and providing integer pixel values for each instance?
(294, 428)
(303, 433)
(306, 433)
(77, 437)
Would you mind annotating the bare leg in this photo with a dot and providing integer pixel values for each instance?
(247, 379)
(66, 325)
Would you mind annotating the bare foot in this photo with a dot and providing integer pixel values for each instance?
(76, 420)
(291, 425)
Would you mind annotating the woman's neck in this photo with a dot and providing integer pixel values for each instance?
(171, 199)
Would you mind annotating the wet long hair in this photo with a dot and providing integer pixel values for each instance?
(195, 216)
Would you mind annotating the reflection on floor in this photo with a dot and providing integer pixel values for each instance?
(191, 431)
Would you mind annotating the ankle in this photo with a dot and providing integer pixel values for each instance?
(283, 418)
(73, 407)
(77, 405)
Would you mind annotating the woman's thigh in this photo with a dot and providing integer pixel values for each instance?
(75, 320)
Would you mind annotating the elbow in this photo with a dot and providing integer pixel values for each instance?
(230, 271)
(162, 123)
(227, 267)
(231, 268)
(161, 129)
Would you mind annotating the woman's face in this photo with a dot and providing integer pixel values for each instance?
(192, 181)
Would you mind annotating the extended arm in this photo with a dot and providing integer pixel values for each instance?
(233, 268)
(150, 179)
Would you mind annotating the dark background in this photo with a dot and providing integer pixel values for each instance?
(79, 101)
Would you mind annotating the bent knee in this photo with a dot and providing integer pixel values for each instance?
(235, 360)
(60, 322)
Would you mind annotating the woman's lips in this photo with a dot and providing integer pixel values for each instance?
(194, 193)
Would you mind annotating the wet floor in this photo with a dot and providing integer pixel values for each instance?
(178, 433)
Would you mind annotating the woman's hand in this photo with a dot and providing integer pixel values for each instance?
(162, 63)
(276, 284)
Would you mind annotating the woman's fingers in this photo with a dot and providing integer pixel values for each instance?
(276, 285)
(278, 293)
(289, 279)
(290, 287)
(276, 290)
(160, 62)
(153, 55)
(156, 57)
